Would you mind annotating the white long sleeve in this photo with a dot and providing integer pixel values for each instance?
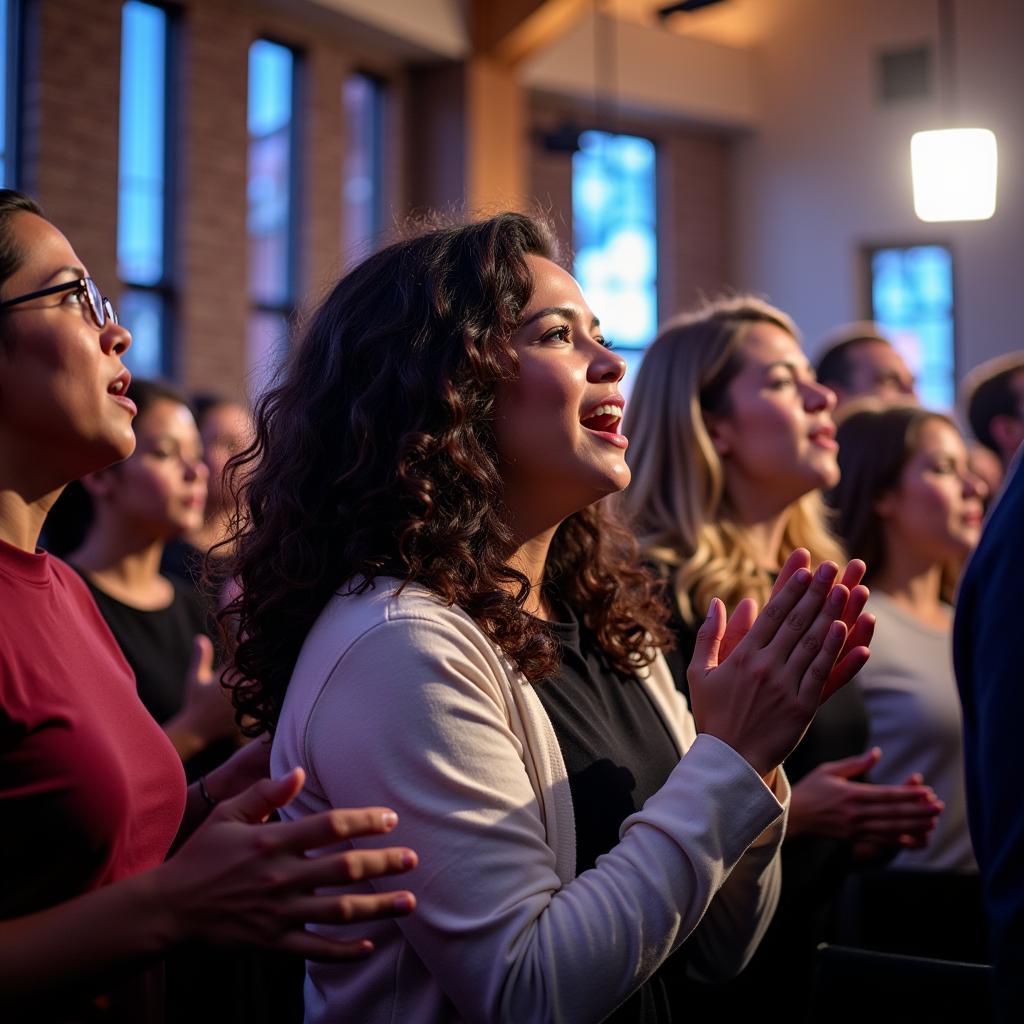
(403, 703)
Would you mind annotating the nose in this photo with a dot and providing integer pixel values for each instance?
(818, 397)
(115, 339)
(606, 366)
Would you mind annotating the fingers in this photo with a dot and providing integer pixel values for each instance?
(807, 627)
(853, 574)
(200, 667)
(740, 623)
(847, 666)
(816, 675)
(775, 612)
(800, 559)
(321, 949)
(329, 828)
(354, 866)
(349, 909)
(859, 595)
(260, 800)
(853, 767)
(709, 640)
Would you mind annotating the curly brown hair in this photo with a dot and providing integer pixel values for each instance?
(375, 456)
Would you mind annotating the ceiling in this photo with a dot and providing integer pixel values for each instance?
(739, 23)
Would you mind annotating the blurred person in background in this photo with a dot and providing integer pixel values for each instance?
(116, 523)
(908, 504)
(731, 444)
(858, 359)
(992, 398)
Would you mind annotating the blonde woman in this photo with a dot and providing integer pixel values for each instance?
(731, 443)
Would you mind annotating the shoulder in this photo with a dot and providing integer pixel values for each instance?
(390, 637)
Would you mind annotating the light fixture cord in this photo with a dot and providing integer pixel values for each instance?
(947, 58)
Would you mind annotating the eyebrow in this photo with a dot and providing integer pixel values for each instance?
(793, 368)
(566, 312)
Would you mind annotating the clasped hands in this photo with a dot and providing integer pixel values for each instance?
(756, 681)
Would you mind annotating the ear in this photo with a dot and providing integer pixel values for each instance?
(718, 430)
(100, 484)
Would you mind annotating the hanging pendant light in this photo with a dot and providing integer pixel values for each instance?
(954, 170)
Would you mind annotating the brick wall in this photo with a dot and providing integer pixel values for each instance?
(70, 149)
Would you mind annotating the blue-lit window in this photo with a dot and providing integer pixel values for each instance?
(271, 196)
(143, 216)
(10, 52)
(912, 298)
(363, 185)
(614, 214)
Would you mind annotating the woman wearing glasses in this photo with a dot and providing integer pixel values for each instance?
(92, 793)
(437, 609)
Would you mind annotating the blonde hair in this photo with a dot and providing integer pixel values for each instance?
(677, 502)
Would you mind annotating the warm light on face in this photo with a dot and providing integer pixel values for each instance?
(954, 172)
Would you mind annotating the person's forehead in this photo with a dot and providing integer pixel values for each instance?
(878, 354)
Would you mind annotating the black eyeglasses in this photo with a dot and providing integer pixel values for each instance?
(100, 309)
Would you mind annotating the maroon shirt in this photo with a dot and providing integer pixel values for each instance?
(91, 790)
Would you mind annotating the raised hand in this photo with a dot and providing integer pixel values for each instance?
(762, 695)
(828, 801)
(207, 714)
(238, 881)
(860, 626)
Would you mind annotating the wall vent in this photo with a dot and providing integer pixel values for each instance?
(906, 75)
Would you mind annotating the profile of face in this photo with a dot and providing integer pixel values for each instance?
(775, 437)
(62, 382)
(936, 508)
(159, 493)
(557, 424)
(226, 430)
(876, 368)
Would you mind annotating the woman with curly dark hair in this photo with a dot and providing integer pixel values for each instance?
(438, 612)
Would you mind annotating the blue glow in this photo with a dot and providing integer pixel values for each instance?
(912, 298)
(142, 312)
(615, 234)
(141, 157)
(4, 57)
(271, 74)
(270, 87)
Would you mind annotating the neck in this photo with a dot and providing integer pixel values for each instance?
(27, 493)
(116, 554)
(530, 558)
(911, 580)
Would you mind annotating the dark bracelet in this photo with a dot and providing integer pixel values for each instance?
(205, 793)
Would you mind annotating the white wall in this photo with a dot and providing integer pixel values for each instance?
(828, 169)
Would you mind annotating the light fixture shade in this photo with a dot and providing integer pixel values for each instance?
(954, 172)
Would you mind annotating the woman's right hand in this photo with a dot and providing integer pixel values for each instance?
(762, 696)
(828, 801)
(241, 881)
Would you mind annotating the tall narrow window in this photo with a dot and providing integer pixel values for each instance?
(272, 207)
(10, 57)
(615, 237)
(912, 298)
(363, 187)
(143, 215)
